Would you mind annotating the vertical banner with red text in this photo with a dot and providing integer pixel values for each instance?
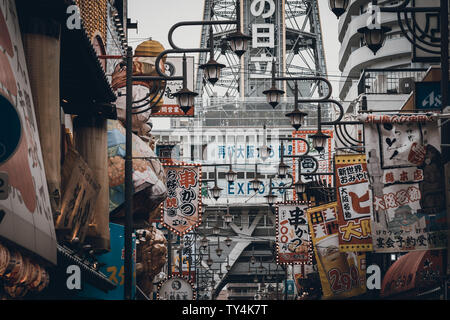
(406, 175)
(183, 205)
(354, 199)
(342, 274)
(292, 236)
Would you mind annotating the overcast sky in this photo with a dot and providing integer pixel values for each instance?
(155, 17)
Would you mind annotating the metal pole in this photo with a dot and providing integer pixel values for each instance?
(128, 179)
(285, 284)
(445, 134)
(180, 258)
(169, 253)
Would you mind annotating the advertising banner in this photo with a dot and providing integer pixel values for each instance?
(406, 175)
(323, 159)
(26, 218)
(292, 236)
(342, 274)
(181, 211)
(354, 199)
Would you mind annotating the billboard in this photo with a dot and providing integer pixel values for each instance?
(26, 217)
(408, 185)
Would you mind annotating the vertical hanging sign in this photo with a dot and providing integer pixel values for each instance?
(354, 199)
(292, 237)
(407, 180)
(181, 211)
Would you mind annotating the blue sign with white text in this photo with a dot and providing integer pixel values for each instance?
(428, 95)
(114, 267)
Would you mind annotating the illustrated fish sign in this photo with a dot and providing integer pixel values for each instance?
(181, 211)
(354, 199)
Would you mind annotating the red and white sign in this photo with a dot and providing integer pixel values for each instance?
(293, 240)
(183, 205)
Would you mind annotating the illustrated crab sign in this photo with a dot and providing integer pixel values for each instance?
(181, 211)
(293, 241)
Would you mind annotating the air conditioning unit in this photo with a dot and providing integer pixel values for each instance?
(406, 85)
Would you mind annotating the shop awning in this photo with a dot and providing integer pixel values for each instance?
(97, 279)
(413, 273)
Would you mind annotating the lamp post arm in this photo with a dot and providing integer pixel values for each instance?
(323, 99)
(195, 23)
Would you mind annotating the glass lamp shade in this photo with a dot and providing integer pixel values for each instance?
(219, 252)
(212, 70)
(228, 218)
(283, 169)
(252, 260)
(228, 267)
(255, 184)
(185, 99)
(238, 42)
(204, 242)
(271, 199)
(273, 96)
(297, 117)
(215, 192)
(264, 152)
(300, 187)
(216, 230)
(319, 141)
(209, 262)
(228, 242)
(230, 176)
(220, 275)
(338, 6)
(374, 37)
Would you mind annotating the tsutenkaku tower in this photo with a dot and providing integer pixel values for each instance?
(288, 31)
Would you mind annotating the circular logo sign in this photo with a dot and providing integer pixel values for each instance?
(176, 288)
(10, 130)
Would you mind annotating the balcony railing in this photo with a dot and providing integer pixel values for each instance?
(389, 81)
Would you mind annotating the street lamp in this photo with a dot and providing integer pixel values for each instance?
(185, 97)
(299, 187)
(319, 140)
(374, 37)
(338, 6)
(204, 242)
(273, 94)
(271, 199)
(297, 117)
(215, 192)
(218, 250)
(228, 241)
(230, 175)
(282, 169)
(238, 40)
(212, 67)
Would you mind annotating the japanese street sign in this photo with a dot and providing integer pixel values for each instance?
(176, 288)
(342, 274)
(293, 241)
(181, 211)
(324, 159)
(407, 180)
(174, 67)
(354, 203)
(428, 95)
(27, 215)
